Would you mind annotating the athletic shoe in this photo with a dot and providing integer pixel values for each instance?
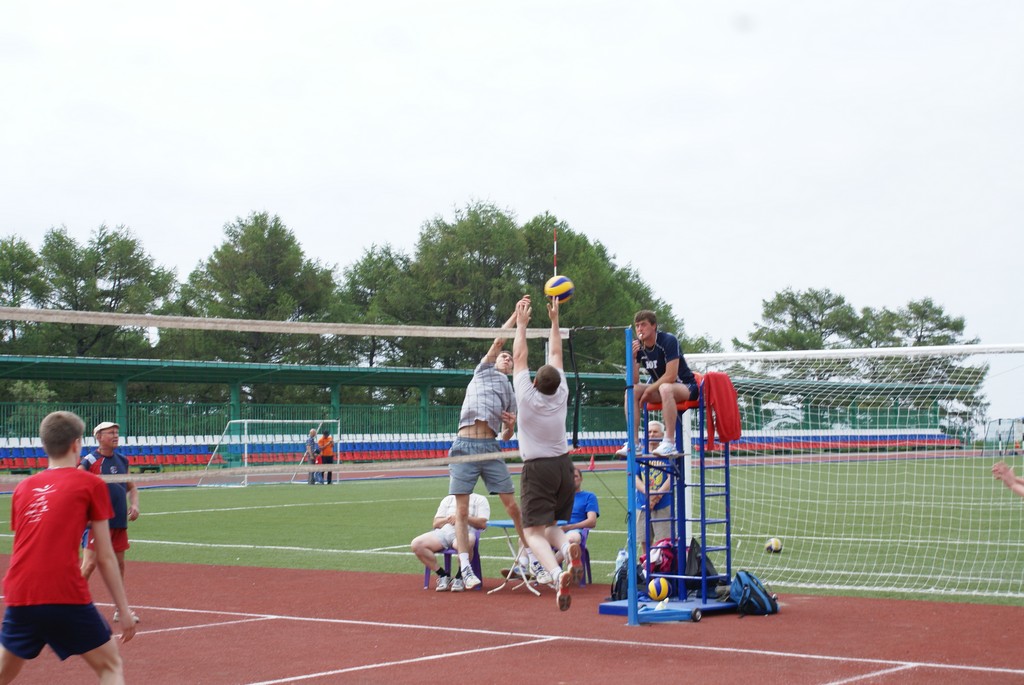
(666, 449)
(442, 583)
(469, 578)
(623, 451)
(575, 563)
(117, 616)
(563, 597)
(515, 572)
(540, 574)
(457, 584)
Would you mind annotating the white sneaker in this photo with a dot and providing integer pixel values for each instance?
(458, 585)
(469, 578)
(667, 448)
(442, 583)
(624, 450)
(117, 616)
(540, 574)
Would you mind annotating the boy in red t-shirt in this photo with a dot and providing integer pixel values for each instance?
(48, 600)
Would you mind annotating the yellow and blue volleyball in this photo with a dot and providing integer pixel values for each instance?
(560, 287)
(774, 545)
(658, 589)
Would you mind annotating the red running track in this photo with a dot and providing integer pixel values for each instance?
(220, 625)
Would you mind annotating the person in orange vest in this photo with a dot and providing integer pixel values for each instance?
(326, 445)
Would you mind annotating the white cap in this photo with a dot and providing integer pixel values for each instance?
(103, 426)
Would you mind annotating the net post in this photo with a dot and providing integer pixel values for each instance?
(633, 599)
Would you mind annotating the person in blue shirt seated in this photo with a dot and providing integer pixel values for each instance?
(584, 512)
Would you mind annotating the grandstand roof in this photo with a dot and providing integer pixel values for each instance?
(100, 369)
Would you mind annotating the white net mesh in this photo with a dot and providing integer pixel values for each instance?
(873, 468)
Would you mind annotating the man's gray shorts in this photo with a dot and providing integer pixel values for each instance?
(463, 477)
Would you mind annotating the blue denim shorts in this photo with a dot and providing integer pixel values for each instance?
(462, 478)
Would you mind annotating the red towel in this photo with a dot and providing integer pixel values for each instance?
(723, 411)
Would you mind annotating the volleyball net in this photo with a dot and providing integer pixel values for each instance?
(872, 466)
(874, 469)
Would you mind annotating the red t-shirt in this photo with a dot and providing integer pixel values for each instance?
(49, 511)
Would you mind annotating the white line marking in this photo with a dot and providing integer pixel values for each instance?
(898, 665)
(385, 664)
(873, 674)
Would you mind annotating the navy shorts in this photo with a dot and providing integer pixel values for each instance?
(69, 629)
(694, 391)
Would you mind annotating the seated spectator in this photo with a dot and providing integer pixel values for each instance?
(442, 537)
(655, 432)
(653, 497)
(584, 512)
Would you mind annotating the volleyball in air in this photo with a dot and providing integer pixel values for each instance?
(658, 589)
(560, 287)
(774, 545)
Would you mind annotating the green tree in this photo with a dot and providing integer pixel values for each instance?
(803, 320)
(821, 319)
(368, 294)
(471, 271)
(922, 322)
(22, 283)
(110, 273)
(259, 272)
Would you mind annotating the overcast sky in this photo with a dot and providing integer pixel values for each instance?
(872, 147)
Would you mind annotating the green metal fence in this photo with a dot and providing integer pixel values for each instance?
(21, 419)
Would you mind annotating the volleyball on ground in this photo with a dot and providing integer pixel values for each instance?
(658, 589)
(773, 545)
(560, 287)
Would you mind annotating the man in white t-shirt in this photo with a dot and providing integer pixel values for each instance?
(547, 486)
(442, 537)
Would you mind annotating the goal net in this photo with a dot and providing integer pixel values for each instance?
(279, 447)
(874, 469)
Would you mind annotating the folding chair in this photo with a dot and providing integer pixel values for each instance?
(449, 553)
(588, 574)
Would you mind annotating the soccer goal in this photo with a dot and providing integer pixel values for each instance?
(873, 468)
(278, 447)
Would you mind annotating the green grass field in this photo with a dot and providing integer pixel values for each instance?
(920, 528)
(362, 525)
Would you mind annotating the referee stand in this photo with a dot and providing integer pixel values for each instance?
(710, 485)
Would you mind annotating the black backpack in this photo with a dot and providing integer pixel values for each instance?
(751, 596)
(693, 558)
(620, 583)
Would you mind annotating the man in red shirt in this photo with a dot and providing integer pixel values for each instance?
(47, 599)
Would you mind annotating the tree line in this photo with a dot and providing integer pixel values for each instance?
(465, 272)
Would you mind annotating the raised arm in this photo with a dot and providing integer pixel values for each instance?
(492, 353)
(519, 347)
(555, 339)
